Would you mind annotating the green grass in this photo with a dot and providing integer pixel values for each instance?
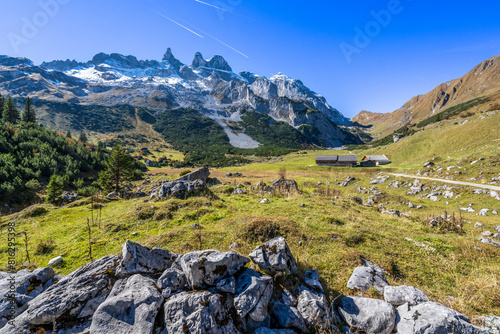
(328, 234)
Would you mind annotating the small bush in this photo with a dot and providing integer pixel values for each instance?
(185, 172)
(334, 220)
(262, 228)
(352, 240)
(88, 191)
(33, 184)
(45, 247)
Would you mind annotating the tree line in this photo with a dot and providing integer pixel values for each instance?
(35, 160)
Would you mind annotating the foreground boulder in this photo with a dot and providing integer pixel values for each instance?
(171, 281)
(274, 256)
(399, 295)
(314, 309)
(253, 292)
(137, 259)
(16, 290)
(289, 317)
(432, 318)
(197, 312)
(368, 315)
(130, 308)
(179, 189)
(207, 268)
(72, 300)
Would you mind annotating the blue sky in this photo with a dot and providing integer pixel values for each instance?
(372, 55)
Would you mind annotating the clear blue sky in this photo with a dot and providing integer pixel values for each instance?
(420, 45)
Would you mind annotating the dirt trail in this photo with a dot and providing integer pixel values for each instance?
(483, 186)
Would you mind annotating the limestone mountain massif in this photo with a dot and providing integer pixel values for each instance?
(482, 81)
(207, 85)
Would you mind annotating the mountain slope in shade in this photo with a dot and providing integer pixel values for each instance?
(207, 85)
(482, 80)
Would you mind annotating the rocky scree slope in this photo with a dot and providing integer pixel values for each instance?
(156, 291)
(207, 85)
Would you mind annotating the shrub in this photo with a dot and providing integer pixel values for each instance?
(185, 172)
(33, 184)
(88, 191)
(45, 247)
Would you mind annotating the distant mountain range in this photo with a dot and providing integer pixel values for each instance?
(208, 86)
(482, 81)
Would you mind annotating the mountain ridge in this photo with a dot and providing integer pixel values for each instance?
(481, 80)
(207, 85)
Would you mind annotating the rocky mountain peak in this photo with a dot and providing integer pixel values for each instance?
(15, 61)
(170, 58)
(218, 62)
(168, 55)
(198, 60)
(116, 59)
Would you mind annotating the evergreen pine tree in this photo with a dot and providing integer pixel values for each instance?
(1, 107)
(29, 115)
(54, 189)
(10, 113)
(119, 169)
(83, 137)
(68, 134)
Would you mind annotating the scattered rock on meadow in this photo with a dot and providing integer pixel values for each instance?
(363, 278)
(55, 261)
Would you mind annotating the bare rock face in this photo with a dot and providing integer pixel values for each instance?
(253, 292)
(138, 259)
(399, 295)
(197, 312)
(368, 315)
(207, 268)
(435, 318)
(130, 308)
(274, 256)
(74, 298)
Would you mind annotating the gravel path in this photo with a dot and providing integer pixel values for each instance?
(484, 186)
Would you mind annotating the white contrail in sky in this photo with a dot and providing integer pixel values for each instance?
(209, 4)
(229, 46)
(180, 25)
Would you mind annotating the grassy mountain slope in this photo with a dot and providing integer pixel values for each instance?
(482, 80)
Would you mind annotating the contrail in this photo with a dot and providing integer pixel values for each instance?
(180, 25)
(229, 46)
(209, 4)
(216, 39)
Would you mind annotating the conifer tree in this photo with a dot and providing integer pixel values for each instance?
(54, 189)
(83, 137)
(10, 113)
(2, 100)
(119, 169)
(68, 134)
(29, 115)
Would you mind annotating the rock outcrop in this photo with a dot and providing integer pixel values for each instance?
(155, 291)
